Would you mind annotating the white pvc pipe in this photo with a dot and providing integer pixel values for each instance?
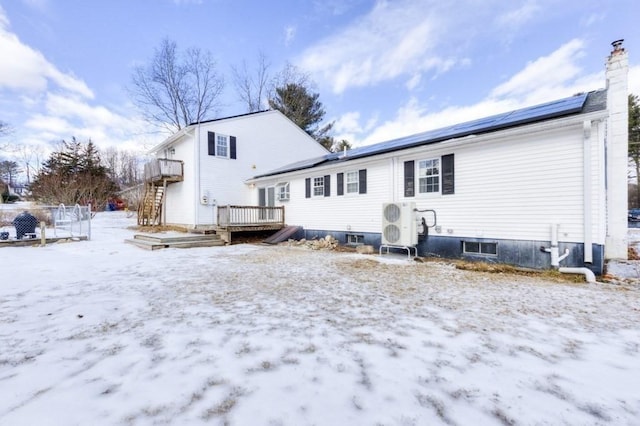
(588, 274)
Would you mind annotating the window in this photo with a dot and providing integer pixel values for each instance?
(222, 145)
(318, 186)
(429, 176)
(354, 239)
(473, 247)
(436, 175)
(352, 182)
(282, 191)
(355, 182)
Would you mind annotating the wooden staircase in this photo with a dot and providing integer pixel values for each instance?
(149, 212)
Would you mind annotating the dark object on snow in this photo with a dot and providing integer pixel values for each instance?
(25, 223)
(4, 235)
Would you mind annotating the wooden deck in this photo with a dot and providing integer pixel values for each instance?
(161, 171)
(248, 219)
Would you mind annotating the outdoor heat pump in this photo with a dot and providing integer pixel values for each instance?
(399, 224)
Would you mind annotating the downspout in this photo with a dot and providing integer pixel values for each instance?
(196, 162)
(586, 168)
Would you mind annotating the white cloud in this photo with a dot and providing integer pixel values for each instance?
(28, 70)
(40, 5)
(548, 78)
(592, 19)
(289, 35)
(48, 105)
(518, 17)
(548, 71)
(395, 39)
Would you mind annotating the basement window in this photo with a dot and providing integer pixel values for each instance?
(355, 240)
(474, 247)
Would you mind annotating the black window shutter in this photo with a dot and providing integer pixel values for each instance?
(212, 143)
(448, 182)
(340, 183)
(307, 188)
(232, 147)
(327, 185)
(362, 181)
(262, 197)
(409, 181)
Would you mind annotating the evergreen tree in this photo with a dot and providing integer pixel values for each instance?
(74, 175)
(303, 108)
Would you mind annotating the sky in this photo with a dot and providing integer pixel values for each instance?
(383, 69)
(96, 333)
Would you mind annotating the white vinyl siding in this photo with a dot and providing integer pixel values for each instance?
(224, 180)
(360, 212)
(516, 188)
(505, 188)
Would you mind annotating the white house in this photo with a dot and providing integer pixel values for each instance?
(537, 187)
(205, 165)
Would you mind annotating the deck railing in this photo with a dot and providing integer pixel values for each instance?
(250, 216)
(162, 168)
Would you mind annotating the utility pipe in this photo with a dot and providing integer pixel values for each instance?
(556, 258)
(588, 273)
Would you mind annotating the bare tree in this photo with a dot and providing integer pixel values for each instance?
(5, 130)
(290, 75)
(31, 157)
(252, 87)
(175, 90)
(124, 167)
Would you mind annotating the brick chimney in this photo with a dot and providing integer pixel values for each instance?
(617, 140)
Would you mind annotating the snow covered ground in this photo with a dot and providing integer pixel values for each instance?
(102, 332)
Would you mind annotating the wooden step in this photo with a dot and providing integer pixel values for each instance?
(167, 239)
(152, 242)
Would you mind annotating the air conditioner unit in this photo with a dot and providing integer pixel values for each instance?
(399, 224)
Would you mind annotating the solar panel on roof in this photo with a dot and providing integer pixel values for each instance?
(499, 121)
